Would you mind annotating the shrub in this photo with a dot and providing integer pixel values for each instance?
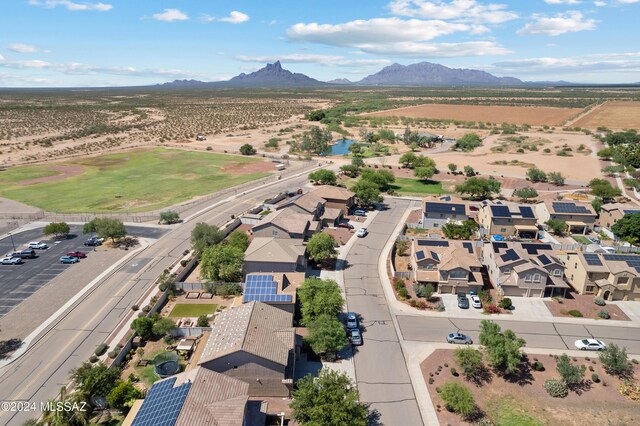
(506, 303)
(485, 297)
(556, 388)
(101, 349)
(112, 354)
(630, 390)
(184, 262)
(146, 308)
(454, 372)
(591, 368)
(575, 313)
(431, 380)
(604, 314)
(439, 307)
(599, 301)
(538, 366)
(615, 360)
(93, 359)
(403, 293)
(491, 309)
(458, 399)
(422, 305)
(135, 307)
(595, 378)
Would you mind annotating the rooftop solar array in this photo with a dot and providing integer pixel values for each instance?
(468, 246)
(498, 246)
(533, 248)
(420, 255)
(544, 259)
(433, 243)
(593, 259)
(527, 212)
(500, 211)
(632, 260)
(447, 208)
(262, 288)
(162, 405)
(564, 207)
(631, 211)
(435, 255)
(509, 255)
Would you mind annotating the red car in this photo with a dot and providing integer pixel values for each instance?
(78, 254)
(345, 225)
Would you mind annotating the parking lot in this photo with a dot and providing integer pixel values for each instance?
(18, 282)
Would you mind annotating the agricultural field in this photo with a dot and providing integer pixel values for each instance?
(535, 116)
(132, 181)
(614, 115)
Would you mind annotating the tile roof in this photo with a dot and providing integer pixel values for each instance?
(254, 327)
(308, 202)
(454, 255)
(329, 192)
(287, 219)
(274, 250)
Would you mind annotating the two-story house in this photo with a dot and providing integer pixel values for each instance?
(524, 269)
(613, 212)
(507, 220)
(286, 223)
(610, 276)
(436, 214)
(336, 197)
(451, 266)
(579, 217)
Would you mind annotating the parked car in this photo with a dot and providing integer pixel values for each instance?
(463, 302)
(38, 245)
(11, 260)
(355, 337)
(345, 225)
(459, 338)
(69, 259)
(359, 212)
(94, 241)
(23, 254)
(352, 321)
(362, 232)
(78, 254)
(475, 302)
(590, 345)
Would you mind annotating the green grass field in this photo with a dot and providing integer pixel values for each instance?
(409, 186)
(507, 412)
(581, 239)
(192, 310)
(132, 181)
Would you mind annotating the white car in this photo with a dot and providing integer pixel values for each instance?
(13, 260)
(475, 302)
(590, 345)
(38, 245)
(359, 212)
(362, 232)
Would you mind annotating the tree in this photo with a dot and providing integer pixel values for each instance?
(319, 297)
(422, 161)
(366, 192)
(203, 321)
(424, 173)
(469, 171)
(350, 170)
(464, 231)
(123, 396)
(247, 149)
(321, 247)
(271, 143)
(402, 246)
(58, 229)
(571, 374)
(452, 167)
(316, 115)
(628, 228)
(503, 349)
(239, 240)
(468, 142)
(556, 178)
(382, 178)
(330, 399)
(615, 360)
(170, 217)
(326, 335)
(323, 177)
(407, 159)
(357, 162)
(95, 380)
(534, 174)
(163, 326)
(458, 399)
(75, 416)
(478, 187)
(316, 140)
(557, 226)
(602, 188)
(470, 361)
(204, 235)
(596, 203)
(106, 228)
(143, 326)
(525, 193)
(425, 290)
(222, 262)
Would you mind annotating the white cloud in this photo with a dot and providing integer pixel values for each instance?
(600, 3)
(1, 58)
(561, 23)
(563, 1)
(25, 48)
(628, 1)
(437, 50)
(234, 17)
(597, 63)
(170, 15)
(462, 10)
(70, 5)
(324, 60)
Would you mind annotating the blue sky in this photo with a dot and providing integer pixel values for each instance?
(134, 42)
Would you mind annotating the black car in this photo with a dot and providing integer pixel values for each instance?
(463, 302)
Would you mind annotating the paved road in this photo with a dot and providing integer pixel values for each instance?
(18, 282)
(383, 379)
(39, 373)
(537, 334)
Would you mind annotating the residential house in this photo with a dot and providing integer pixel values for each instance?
(579, 217)
(610, 276)
(307, 203)
(274, 255)
(524, 269)
(613, 212)
(198, 397)
(336, 197)
(255, 343)
(451, 266)
(276, 289)
(507, 220)
(436, 214)
(286, 223)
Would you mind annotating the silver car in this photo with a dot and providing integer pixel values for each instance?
(459, 338)
(355, 337)
(14, 260)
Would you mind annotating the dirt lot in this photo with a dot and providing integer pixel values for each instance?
(584, 304)
(535, 116)
(614, 115)
(525, 402)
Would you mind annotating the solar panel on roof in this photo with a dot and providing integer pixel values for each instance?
(420, 255)
(468, 246)
(544, 259)
(447, 208)
(498, 246)
(262, 288)
(435, 255)
(500, 211)
(527, 212)
(564, 207)
(509, 255)
(433, 243)
(162, 405)
(631, 211)
(533, 248)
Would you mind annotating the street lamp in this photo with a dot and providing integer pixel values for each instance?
(12, 243)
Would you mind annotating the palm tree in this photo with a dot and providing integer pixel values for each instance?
(54, 417)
